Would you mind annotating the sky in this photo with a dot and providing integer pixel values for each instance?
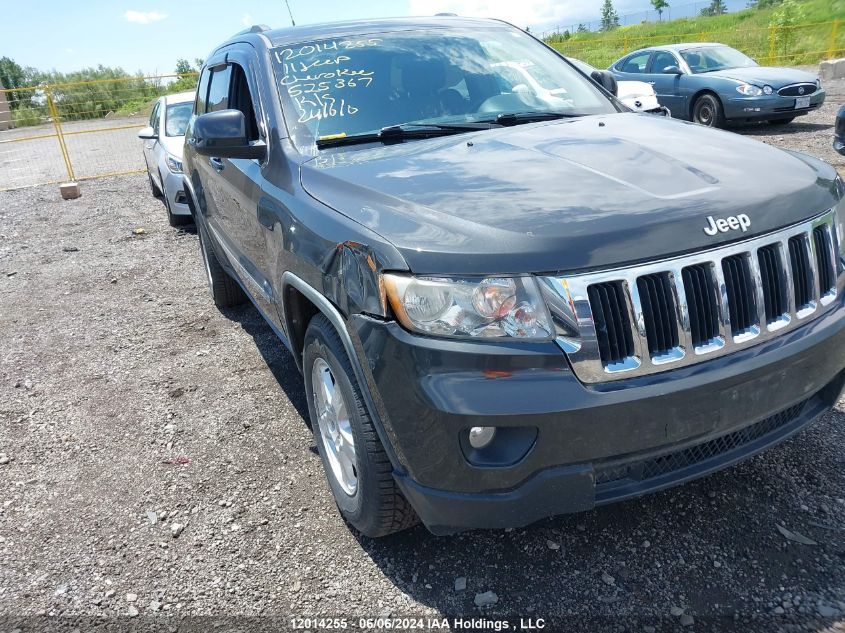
(150, 35)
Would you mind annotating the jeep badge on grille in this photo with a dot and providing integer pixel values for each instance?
(723, 225)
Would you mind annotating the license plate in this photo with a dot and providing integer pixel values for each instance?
(802, 102)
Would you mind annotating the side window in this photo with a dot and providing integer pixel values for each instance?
(218, 92)
(154, 115)
(661, 61)
(636, 63)
(202, 93)
(240, 98)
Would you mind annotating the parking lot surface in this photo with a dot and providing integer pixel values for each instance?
(156, 468)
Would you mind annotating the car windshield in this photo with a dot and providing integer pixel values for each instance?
(359, 85)
(176, 118)
(710, 58)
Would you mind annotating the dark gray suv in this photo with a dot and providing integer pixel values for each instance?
(510, 297)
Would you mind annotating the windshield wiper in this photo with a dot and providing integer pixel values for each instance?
(405, 131)
(530, 116)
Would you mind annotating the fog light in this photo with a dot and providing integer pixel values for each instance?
(481, 436)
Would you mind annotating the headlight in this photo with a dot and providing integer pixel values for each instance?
(768, 90)
(748, 90)
(174, 164)
(818, 84)
(493, 307)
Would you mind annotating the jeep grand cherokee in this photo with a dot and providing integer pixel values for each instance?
(509, 301)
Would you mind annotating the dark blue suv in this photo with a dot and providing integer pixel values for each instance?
(510, 297)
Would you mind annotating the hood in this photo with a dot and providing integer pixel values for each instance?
(173, 145)
(761, 75)
(567, 195)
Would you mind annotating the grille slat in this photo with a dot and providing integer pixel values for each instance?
(703, 310)
(658, 313)
(800, 261)
(821, 240)
(613, 325)
(773, 281)
(740, 297)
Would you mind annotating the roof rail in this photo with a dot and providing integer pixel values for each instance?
(255, 28)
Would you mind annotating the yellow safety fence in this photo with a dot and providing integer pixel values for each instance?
(774, 45)
(54, 133)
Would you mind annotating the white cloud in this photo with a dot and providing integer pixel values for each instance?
(247, 20)
(144, 17)
(533, 13)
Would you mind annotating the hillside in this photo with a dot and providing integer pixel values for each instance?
(810, 39)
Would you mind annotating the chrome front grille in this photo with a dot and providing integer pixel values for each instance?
(653, 317)
(798, 90)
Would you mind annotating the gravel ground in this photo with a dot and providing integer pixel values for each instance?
(156, 470)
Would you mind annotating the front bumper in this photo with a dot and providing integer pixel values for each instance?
(175, 191)
(769, 107)
(593, 444)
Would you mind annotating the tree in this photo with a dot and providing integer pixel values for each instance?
(609, 17)
(659, 5)
(716, 7)
(582, 28)
(183, 67)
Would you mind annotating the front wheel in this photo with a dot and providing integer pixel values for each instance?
(708, 111)
(154, 187)
(357, 468)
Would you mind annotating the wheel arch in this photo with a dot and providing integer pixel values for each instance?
(296, 289)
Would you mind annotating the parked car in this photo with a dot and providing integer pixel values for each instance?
(713, 84)
(839, 137)
(502, 311)
(637, 95)
(163, 139)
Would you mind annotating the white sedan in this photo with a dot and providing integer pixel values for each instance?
(637, 95)
(163, 140)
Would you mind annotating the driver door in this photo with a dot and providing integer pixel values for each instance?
(669, 87)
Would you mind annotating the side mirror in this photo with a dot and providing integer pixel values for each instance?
(222, 134)
(839, 139)
(606, 80)
(672, 70)
(147, 133)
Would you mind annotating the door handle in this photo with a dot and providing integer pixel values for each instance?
(652, 82)
(216, 163)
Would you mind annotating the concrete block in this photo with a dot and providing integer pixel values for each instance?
(832, 69)
(70, 190)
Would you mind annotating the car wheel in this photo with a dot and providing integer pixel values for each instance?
(357, 468)
(174, 220)
(224, 290)
(154, 187)
(708, 111)
(781, 121)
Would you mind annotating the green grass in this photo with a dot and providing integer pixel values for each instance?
(749, 31)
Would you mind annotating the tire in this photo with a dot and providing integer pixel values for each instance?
(224, 290)
(174, 220)
(708, 111)
(781, 121)
(374, 505)
(154, 187)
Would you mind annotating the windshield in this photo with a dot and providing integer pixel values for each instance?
(176, 118)
(360, 85)
(710, 58)
(583, 66)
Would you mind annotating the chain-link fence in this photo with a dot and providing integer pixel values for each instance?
(77, 131)
(774, 45)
